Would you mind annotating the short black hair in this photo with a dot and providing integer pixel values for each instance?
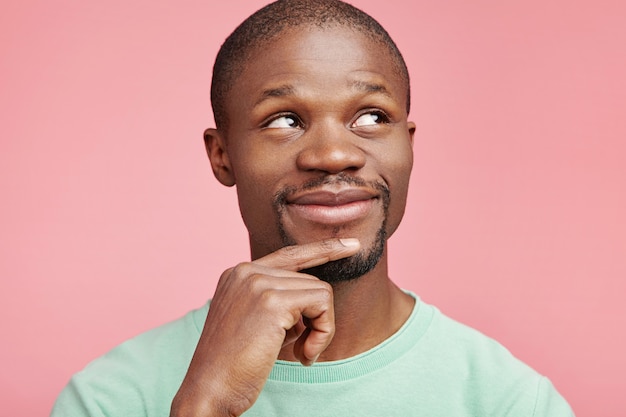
(270, 21)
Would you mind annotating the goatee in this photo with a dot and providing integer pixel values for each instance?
(355, 266)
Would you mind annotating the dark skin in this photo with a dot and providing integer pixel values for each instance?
(314, 103)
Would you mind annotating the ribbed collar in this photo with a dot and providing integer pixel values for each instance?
(377, 357)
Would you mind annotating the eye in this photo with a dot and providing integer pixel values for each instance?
(370, 118)
(285, 121)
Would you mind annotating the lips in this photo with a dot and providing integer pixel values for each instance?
(332, 207)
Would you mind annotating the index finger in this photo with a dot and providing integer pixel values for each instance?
(298, 257)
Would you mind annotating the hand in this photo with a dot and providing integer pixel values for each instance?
(258, 308)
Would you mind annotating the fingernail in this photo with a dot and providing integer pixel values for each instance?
(349, 242)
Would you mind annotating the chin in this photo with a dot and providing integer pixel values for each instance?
(355, 266)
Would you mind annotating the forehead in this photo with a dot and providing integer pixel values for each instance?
(293, 36)
(318, 56)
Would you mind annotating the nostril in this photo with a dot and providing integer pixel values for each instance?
(331, 156)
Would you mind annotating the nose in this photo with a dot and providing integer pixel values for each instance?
(331, 150)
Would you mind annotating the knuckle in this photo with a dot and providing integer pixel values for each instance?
(226, 278)
(256, 283)
(328, 244)
(326, 293)
(242, 275)
(283, 314)
(269, 299)
(227, 274)
(241, 270)
(291, 252)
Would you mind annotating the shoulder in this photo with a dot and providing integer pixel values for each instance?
(143, 372)
(483, 373)
(461, 343)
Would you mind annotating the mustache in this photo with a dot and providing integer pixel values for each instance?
(280, 198)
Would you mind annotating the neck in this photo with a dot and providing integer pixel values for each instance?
(368, 310)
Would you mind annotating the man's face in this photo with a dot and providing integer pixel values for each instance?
(318, 141)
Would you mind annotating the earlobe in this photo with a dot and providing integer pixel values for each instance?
(215, 145)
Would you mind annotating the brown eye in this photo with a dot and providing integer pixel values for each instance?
(284, 122)
(370, 119)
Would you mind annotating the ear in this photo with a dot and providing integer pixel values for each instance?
(412, 128)
(215, 145)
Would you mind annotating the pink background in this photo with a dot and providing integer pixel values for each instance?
(112, 223)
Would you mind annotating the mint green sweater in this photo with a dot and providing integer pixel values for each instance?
(433, 366)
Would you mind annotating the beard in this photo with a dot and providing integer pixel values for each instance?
(352, 267)
(355, 266)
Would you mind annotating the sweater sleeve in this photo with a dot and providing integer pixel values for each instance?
(549, 402)
(73, 401)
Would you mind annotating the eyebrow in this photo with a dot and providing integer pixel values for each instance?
(288, 90)
(280, 91)
(370, 87)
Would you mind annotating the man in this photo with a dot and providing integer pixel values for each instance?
(311, 100)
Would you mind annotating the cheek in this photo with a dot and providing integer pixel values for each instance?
(259, 217)
(257, 181)
(255, 200)
(397, 175)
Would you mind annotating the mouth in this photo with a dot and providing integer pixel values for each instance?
(333, 207)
